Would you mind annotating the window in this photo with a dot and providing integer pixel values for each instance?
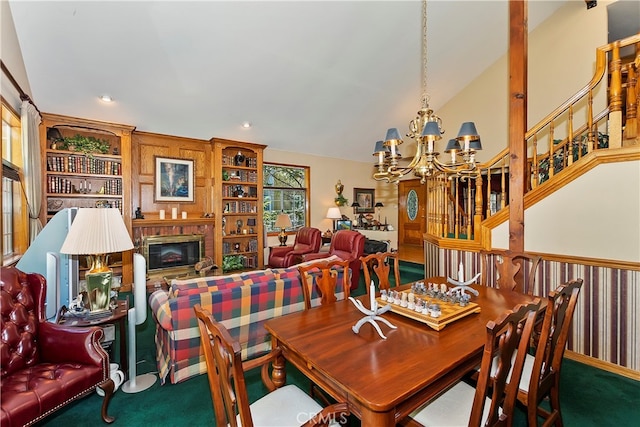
(285, 189)
(14, 205)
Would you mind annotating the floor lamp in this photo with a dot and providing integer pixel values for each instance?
(136, 316)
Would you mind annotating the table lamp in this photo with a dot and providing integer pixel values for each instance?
(334, 214)
(378, 206)
(97, 232)
(282, 222)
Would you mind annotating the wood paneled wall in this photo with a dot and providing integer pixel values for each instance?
(145, 147)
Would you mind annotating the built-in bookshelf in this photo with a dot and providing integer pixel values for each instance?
(75, 176)
(239, 239)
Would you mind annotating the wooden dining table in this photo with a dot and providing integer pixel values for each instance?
(384, 380)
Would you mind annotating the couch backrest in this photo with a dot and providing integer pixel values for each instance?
(22, 308)
(200, 285)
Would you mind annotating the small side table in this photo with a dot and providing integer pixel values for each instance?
(118, 316)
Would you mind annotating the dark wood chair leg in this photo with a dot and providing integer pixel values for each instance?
(108, 387)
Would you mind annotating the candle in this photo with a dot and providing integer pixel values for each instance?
(460, 273)
(184, 215)
(161, 213)
(174, 213)
(372, 294)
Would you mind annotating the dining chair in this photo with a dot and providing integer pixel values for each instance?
(510, 270)
(541, 374)
(284, 406)
(492, 400)
(322, 278)
(380, 264)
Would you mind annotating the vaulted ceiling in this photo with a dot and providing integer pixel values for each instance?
(318, 77)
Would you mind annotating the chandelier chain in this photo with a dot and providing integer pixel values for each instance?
(425, 96)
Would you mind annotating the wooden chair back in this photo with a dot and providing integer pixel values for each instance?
(324, 275)
(499, 375)
(225, 372)
(545, 374)
(510, 270)
(380, 264)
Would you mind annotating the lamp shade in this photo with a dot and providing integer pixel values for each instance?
(379, 205)
(379, 148)
(283, 221)
(334, 213)
(97, 231)
(393, 135)
(453, 144)
(431, 131)
(475, 144)
(468, 131)
(355, 205)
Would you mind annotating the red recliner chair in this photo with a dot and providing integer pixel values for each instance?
(44, 366)
(308, 240)
(349, 246)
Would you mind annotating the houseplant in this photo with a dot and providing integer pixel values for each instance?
(84, 144)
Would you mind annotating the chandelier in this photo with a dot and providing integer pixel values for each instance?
(426, 130)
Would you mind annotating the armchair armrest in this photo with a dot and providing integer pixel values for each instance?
(318, 255)
(280, 251)
(62, 343)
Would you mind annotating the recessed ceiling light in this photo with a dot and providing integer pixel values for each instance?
(106, 98)
(246, 125)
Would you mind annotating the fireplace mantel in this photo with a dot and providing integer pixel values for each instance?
(156, 222)
(167, 227)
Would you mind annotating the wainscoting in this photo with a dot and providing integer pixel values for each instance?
(605, 323)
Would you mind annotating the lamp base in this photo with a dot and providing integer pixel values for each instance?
(99, 290)
(282, 237)
(139, 383)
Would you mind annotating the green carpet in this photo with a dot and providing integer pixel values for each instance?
(590, 396)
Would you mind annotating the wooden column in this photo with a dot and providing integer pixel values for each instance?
(517, 120)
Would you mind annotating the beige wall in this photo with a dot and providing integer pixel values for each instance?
(561, 60)
(325, 172)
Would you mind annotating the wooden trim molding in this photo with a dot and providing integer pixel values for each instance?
(601, 364)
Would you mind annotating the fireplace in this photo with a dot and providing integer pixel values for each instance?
(174, 255)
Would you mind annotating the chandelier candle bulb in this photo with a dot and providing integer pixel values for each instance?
(161, 213)
(174, 213)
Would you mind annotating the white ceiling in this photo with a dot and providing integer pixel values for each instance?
(319, 77)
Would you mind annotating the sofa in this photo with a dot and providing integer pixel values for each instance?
(348, 245)
(242, 302)
(308, 240)
(44, 366)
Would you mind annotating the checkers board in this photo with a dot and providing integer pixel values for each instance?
(450, 312)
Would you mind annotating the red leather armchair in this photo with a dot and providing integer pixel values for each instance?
(43, 365)
(308, 240)
(349, 246)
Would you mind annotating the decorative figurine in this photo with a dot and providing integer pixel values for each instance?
(139, 213)
(239, 159)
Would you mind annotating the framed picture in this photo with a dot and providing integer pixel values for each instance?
(342, 224)
(173, 180)
(365, 198)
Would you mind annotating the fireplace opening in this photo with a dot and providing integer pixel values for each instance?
(172, 255)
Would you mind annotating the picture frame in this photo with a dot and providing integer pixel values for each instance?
(366, 198)
(342, 224)
(173, 180)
